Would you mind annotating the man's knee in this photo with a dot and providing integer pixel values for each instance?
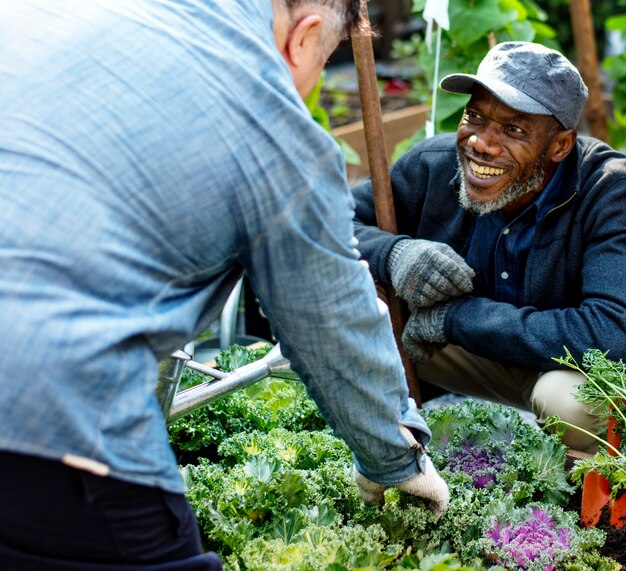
(554, 393)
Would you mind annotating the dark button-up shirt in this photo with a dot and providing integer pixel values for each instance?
(500, 244)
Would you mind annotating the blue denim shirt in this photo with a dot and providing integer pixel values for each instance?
(499, 244)
(149, 153)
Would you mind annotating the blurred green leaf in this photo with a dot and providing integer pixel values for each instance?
(616, 23)
(312, 100)
(349, 153)
(522, 31)
(543, 30)
(484, 15)
(522, 11)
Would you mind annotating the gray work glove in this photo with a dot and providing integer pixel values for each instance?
(423, 332)
(428, 484)
(424, 272)
(420, 352)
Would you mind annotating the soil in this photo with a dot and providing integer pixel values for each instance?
(615, 544)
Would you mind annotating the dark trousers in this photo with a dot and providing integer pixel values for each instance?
(48, 509)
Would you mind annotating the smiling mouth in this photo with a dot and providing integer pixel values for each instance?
(484, 173)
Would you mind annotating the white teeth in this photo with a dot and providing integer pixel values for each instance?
(484, 172)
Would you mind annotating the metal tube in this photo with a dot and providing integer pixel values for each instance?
(191, 399)
(273, 364)
(170, 373)
(195, 366)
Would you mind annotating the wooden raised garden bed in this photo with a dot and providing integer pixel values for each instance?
(398, 125)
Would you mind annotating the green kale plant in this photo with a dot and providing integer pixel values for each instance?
(536, 537)
(490, 445)
(285, 499)
(604, 392)
(265, 405)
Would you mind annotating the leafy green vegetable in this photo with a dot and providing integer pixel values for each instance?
(604, 389)
(268, 404)
(237, 356)
(280, 494)
(302, 450)
(537, 537)
(492, 444)
(604, 392)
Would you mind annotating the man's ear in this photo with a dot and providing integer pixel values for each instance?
(303, 41)
(562, 144)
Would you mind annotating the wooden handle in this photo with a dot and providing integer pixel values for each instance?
(381, 180)
(587, 60)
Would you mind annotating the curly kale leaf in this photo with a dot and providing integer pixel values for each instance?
(286, 500)
(494, 446)
(319, 548)
(270, 403)
(237, 356)
(537, 537)
(303, 450)
(441, 561)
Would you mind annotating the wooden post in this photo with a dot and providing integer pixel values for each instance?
(587, 62)
(379, 170)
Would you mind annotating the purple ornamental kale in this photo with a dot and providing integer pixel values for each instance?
(480, 463)
(517, 545)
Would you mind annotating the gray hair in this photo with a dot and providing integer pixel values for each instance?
(347, 11)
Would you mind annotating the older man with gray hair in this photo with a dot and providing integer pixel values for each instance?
(150, 153)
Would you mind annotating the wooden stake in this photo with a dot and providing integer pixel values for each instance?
(587, 61)
(379, 170)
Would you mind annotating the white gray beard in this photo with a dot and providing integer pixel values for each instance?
(511, 193)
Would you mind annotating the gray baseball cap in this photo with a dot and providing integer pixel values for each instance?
(527, 77)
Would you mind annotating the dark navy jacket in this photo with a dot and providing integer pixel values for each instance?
(575, 279)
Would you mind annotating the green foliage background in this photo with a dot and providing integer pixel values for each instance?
(615, 69)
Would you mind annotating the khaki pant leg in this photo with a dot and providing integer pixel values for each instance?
(553, 394)
(545, 394)
(460, 372)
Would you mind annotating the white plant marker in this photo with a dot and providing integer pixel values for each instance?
(435, 11)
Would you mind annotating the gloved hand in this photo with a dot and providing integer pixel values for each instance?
(423, 332)
(424, 272)
(428, 484)
(420, 352)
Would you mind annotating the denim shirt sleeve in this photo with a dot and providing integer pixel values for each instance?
(322, 304)
(294, 215)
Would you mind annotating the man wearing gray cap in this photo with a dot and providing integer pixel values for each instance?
(511, 240)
